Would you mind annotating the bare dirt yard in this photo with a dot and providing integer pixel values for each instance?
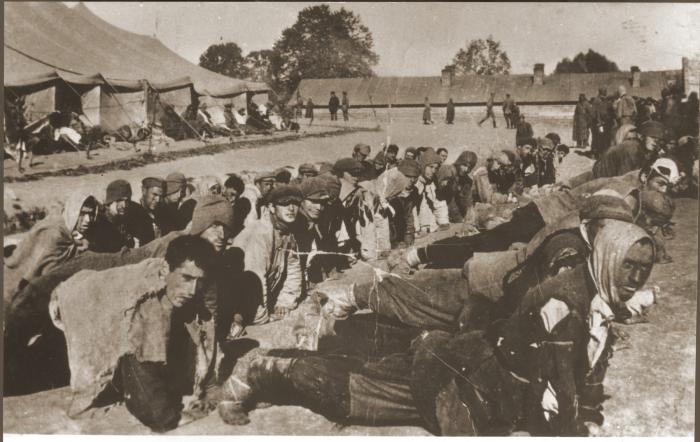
(651, 379)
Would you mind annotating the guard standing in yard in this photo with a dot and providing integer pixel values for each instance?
(450, 112)
(345, 106)
(333, 105)
(602, 122)
(489, 110)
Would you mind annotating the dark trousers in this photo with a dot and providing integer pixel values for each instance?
(432, 300)
(600, 140)
(489, 114)
(334, 115)
(346, 116)
(454, 252)
(509, 121)
(146, 393)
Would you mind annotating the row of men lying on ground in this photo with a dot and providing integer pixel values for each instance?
(27, 308)
(497, 357)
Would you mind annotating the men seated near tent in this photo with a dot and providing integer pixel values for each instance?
(257, 120)
(152, 358)
(529, 219)
(174, 126)
(266, 245)
(632, 154)
(230, 119)
(143, 220)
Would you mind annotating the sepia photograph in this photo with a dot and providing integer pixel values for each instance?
(350, 219)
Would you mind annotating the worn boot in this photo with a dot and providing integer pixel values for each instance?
(337, 299)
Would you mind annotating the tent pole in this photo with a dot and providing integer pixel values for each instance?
(86, 117)
(122, 107)
(178, 115)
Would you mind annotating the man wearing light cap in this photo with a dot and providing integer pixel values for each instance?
(143, 220)
(632, 154)
(361, 152)
(267, 245)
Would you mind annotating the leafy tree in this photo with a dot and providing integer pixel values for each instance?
(590, 62)
(226, 59)
(483, 57)
(258, 64)
(322, 44)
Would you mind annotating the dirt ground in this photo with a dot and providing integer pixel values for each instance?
(651, 379)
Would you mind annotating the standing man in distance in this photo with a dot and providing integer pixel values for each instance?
(489, 110)
(333, 105)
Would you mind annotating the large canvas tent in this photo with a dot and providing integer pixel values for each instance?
(61, 57)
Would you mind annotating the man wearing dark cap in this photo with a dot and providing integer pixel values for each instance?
(174, 192)
(404, 228)
(409, 153)
(143, 220)
(360, 152)
(306, 170)
(454, 185)
(116, 203)
(632, 154)
(348, 210)
(267, 245)
(234, 187)
(307, 233)
(282, 176)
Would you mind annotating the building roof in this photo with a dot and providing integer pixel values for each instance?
(475, 89)
(47, 40)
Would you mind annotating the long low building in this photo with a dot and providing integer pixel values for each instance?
(539, 93)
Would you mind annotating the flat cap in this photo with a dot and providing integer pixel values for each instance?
(210, 210)
(265, 176)
(314, 188)
(116, 190)
(149, 182)
(349, 165)
(652, 129)
(174, 182)
(284, 195)
(410, 168)
(364, 149)
(307, 168)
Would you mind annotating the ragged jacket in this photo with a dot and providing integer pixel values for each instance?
(122, 311)
(266, 253)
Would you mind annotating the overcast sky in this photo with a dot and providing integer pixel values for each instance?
(420, 38)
